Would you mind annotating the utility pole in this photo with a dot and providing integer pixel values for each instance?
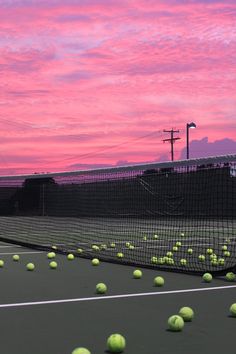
(171, 140)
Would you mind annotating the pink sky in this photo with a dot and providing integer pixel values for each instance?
(89, 83)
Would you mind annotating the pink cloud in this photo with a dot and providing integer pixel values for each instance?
(82, 80)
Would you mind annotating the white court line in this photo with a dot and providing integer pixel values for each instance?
(111, 297)
(2, 253)
(10, 246)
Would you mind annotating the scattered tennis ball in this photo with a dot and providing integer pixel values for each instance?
(201, 257)
(186, 313)
(120, 255)
(226, 253)
(175, 323)
(161, 260)
(214, 262)
(70, 256)
(95, 262)
(213, 256)
(221, 261)
(175, 248)
(155, 237)
(232, 310)
(95, 247)
(81, 351)
(1, 263)
(51, 255)
(209, 251)
(101, 288)
(127, 244)
(170, 261)
(112, 245)
(183, 261)
(182, 234)
(116, 343)
(154, 260)
(131, 247)
(79, 250)
(178, 244)
(30, 266)
(159, 281)
(103, 247)
(15, 257)
(53, 265)
(190, 251)
(137, 274)
(224, 248)
(207, 277)
(169, 254)
(54, 247)
(145, 238)
(230, 276)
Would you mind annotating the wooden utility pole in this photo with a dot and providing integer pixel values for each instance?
(171, 140)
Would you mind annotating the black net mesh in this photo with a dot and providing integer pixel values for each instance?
(179, 216)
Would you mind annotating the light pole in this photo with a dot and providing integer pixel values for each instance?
(188, 126)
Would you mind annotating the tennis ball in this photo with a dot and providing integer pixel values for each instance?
(127, 244)
(178, 244)
(169, 254)
(95, 247)
(30, 266)
(226, 253)
(214, 262)
(120, 255)
(95, 262)
(155, 237)
(103, 247)
(145, 238)
(209, 251)
(1, 263)
(232, 310)
(170, 261)
(137, 274)
(175, 323)
(182, 234)
(112, 245)
(54, 247)
(116, 343)
(70, 256)
(175, 248)
(224, 248)
(186, 313)
(230, 276)
(81, 351)
(154, 260)
(213, 256)
(131, 247)
(53, 265)
(190, 251)
(161, 260)
(207, 277)
(201, 257)
(159, 281)
(183, 261)
(101, 288)
(221, 261)
(51, 255)
(15, 257)
(79, 250)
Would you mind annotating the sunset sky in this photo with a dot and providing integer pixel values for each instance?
(93, 83)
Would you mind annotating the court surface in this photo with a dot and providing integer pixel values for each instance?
(53, 311)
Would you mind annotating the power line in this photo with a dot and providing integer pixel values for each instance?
(94, 153)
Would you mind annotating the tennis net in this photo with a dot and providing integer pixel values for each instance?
(179, 216)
